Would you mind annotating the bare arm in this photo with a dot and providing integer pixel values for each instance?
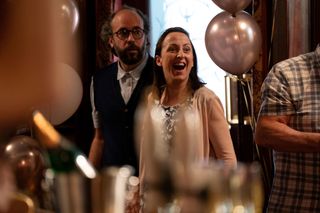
(273, 132)
(96, 149)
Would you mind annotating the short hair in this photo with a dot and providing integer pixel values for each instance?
(159, 80)
(106, 29)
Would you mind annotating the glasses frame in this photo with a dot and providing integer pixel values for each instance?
(134, 36)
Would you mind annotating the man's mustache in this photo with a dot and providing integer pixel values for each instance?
(132, 47)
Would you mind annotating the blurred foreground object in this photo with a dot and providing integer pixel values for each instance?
(64, 156)
(68, 12)
(27, 161)
(111, 190)
(20, 203)
(177, 180)
(70, 173)
(31, 46)
(7, 185)
(66, 95)
(106, 193)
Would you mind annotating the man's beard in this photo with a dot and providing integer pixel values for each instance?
(128, 57)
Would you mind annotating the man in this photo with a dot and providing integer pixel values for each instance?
(116, 90)
(289, 123)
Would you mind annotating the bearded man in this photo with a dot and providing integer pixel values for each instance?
(116, 89)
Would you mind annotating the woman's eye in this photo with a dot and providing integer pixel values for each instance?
(186, 49)
(171, 49)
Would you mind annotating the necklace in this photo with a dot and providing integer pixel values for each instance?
(175, 99)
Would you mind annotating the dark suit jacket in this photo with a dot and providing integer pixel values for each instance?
(117, 118)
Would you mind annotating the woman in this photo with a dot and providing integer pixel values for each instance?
(177, 88)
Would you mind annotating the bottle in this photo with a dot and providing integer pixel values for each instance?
(64, 156)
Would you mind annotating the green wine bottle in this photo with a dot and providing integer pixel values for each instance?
(64, 156)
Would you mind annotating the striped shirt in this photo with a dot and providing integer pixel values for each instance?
(292, 87)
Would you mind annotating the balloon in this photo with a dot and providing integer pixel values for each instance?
(66, 95)
(20, 81)
(232, 6)
(24, 84)
(69, 14)
(26, 158)
(233, 42)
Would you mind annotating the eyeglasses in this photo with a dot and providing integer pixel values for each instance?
(124, 33)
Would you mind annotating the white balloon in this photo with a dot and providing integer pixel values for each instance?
(66, 95)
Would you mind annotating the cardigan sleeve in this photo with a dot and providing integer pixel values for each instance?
(219, 137)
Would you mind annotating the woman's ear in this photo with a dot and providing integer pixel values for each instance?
(158, 61)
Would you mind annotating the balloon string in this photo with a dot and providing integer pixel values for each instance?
(252, 121)
(266, 177)
(245, 83)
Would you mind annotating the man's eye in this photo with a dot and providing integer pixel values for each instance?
(123, 32)
(136, 32)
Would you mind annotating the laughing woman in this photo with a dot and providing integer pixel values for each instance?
(176, 87)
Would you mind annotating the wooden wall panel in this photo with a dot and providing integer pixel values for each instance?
(315, 23)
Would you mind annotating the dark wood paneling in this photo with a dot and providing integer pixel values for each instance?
(103, 9)
(315, 23)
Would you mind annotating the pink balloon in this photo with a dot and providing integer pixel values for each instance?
(69, 15)
(232, 6)
(233, 42)
(66, 96)
(26, 84)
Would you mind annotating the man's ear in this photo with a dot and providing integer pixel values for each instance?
(147, 42)
(158, 60)
(110, 41)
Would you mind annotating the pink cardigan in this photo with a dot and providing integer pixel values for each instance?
(215, 141)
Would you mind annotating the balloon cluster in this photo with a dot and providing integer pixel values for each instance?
(44, 50)
(67, 90)
(233, 38)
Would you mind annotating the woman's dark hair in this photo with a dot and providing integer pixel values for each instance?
(159, 80)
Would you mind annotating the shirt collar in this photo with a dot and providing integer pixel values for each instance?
(136, 72)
